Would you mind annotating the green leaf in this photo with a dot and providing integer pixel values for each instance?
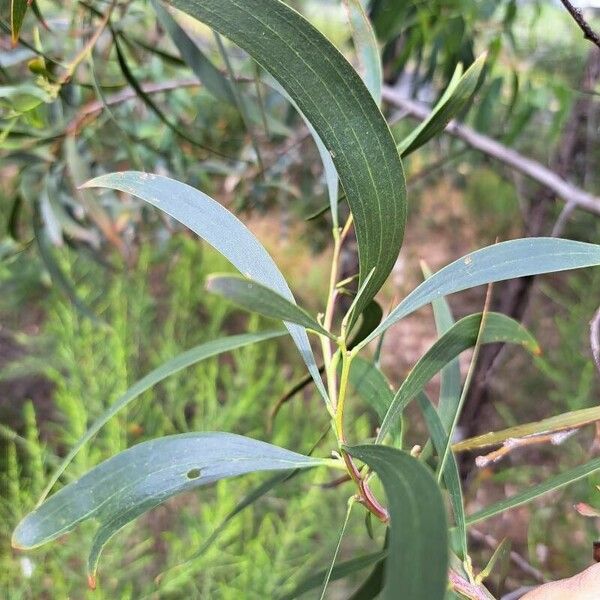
(180, 362)
(255, 297)
(535, 491)
(372, 585)
(57, 275)
(565, 421)
(333, 98)
(453, 100)
(460, 337)
(147, 100)
(331, 176)
(506, 260)
(365, 44)
(134, 481)
(417, 563)
(450, 378)
(451, 474)
(339, 571)
(371, 317)
(221, 229)
(206, 72)
(18, 8)
(371, 385)
(327, 577)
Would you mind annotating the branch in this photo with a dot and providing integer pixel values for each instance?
(90, 109)
(588, 32)
(563, 189)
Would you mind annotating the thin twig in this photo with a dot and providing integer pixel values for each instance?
(563, 189)
(588, 32)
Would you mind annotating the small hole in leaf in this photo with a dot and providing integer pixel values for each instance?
(193, 473)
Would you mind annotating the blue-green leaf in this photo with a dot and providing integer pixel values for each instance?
(134, 481)
(221, 229)
(176, 364)
(535, 491)
(506, 260)
(460, 337)
(367, 50)
(255, 297)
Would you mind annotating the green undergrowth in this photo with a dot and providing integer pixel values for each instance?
(157, 310)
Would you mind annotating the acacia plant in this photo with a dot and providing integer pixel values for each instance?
(425, 555)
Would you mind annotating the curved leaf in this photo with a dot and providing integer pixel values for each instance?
(180, 362)
(453, 100)
(221, 229)
(365, 44)
(535, 491)
(417, 562)
(129, 484)
(255, 297)
(332, 96)
(439, 437)
(371, 385)
(206, 72)
(563, 422)
(506, 260)
(461, 336)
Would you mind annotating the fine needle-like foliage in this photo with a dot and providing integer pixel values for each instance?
(402, 493)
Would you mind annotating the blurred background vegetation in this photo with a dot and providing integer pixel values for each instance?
(95, 293)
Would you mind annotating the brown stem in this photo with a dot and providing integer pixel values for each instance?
(588, 32)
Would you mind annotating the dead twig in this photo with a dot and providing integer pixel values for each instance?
(586, 28)
(569, 192)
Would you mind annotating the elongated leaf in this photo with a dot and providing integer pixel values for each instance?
(453, 100)
(372, 585)
(439, 437)
(535, 491)
(371, 317)
(418, 547)
(147, 100)
(57, 275)
(331, 176)
(129, 484)
(371, 385)
(339, 571)
(332, 96)
(327, 578)
(460, 337)
(562, 422)
(206, 72)
(18, 8)
(506, 260)
(365, 44)
(180, 362)
(257, 298)
(450, 379)
(221, 229)
(249, 499)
